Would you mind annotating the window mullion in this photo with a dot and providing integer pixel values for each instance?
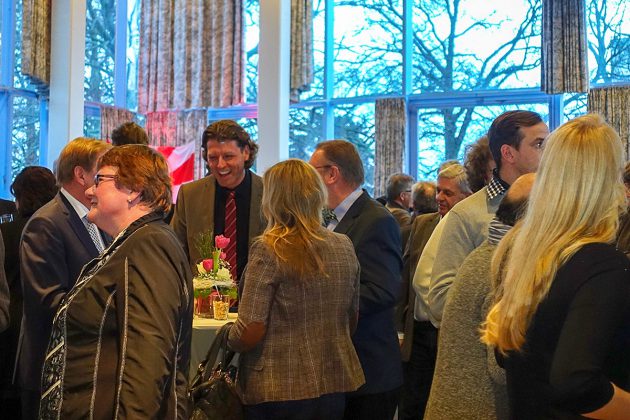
(8, 42)
(120, 55)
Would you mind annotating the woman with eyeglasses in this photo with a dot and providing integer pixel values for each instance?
(120, 342)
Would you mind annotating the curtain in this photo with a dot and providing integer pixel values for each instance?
(564, 47)
(36, 18)
(170, 128)
(301, 47)
(111, 118)
(613, 104)
(390, 135)
(191, 54)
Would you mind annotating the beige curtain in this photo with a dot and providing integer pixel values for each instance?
(111, 118)
(613, 103)
(301, 47)
(36, 17)
(564, 47)
(390, 135)
(191, 54)
(170, 128)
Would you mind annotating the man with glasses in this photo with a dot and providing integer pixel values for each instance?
(57, 241)
(399, 198)
(376, 239)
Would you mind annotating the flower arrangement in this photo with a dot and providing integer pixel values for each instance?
(213, 271)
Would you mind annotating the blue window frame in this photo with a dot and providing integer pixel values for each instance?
(23, 111)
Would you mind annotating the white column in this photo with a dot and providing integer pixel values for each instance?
(67, 63)
(273, 82)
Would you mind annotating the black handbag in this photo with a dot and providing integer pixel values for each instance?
(213, 391)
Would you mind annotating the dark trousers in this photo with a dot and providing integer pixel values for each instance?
(328, 407)
(30, 404)
(381, 406)
(418, 372)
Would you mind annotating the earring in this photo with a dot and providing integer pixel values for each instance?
(129, 200)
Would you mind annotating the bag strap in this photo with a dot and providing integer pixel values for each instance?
(219, 344)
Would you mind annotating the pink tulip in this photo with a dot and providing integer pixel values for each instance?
(223, 255)
(207, 264)
(221, 241)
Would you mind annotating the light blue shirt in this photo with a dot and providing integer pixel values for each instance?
(343, 207)
(82, 212)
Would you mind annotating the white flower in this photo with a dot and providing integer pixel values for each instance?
(224, 274)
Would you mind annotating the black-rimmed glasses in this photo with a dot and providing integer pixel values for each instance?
(323, 167)
(98, 178)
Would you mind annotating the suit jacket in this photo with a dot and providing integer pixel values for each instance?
(55, 246)
(194, 213)
(420, 232)
(307, 350)
(375, 235)
(11, 233)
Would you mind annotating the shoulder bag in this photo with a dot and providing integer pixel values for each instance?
(213, 391)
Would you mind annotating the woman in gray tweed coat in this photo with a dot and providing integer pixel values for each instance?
(299, 306)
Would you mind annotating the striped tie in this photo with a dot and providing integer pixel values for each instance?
(230, 232)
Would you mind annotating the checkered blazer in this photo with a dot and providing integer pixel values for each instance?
(307, 350)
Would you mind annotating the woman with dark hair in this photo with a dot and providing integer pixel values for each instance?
(120, 341)
(33, 187)
(479, 164)
(299, 306)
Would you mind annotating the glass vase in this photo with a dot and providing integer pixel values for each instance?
(203, 306)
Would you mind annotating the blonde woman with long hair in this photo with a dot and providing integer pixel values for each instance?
(561, 318)
(299, 305)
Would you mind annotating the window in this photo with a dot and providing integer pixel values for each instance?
(461, 45)
(111, 58)
(22, 109)
(608, 33)
(459, 63)
(252, 22)
(367, 48)
(99, 51)
(355, 123)
(445, 132)
(305, 131)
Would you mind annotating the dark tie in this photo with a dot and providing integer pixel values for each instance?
(328, 215)
(230, 232)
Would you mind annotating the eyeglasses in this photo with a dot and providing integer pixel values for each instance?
(98, 178)
(323, 167)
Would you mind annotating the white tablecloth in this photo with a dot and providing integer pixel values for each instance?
(203, 334)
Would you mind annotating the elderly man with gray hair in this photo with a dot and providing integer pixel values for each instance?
(419, 347)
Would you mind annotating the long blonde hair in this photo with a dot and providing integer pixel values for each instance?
(293, 197)
(576, 200)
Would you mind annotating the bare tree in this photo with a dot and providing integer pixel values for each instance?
(99, 50)
(610, 46)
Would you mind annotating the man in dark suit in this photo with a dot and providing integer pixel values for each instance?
(204, 205)
(57, 241)
(375, 235)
